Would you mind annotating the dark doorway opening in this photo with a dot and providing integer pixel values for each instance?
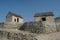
(43, 19)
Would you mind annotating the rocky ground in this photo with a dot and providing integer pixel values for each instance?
(51, 36)
(13, 34)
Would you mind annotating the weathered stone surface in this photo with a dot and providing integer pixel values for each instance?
(15, 35)
(23, 35)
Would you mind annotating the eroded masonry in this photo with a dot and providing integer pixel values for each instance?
(14, 28)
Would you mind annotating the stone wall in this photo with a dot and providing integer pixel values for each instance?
(33, 27)
(20, 19)
(37, 19)
(57, 24)
(12, 25)
(10, 34)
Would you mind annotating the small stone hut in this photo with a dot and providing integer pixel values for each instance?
(48, 21)
(13, 20)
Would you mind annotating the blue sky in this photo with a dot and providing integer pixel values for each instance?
(27, 8)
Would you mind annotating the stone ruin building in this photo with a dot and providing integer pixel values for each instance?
(14, 28)
(13, 21)
(47, 19)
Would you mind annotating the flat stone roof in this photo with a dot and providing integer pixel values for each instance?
(44, 14)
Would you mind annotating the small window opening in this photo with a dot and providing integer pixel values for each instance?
(17, 19)
(43, 19)
(14, 20)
